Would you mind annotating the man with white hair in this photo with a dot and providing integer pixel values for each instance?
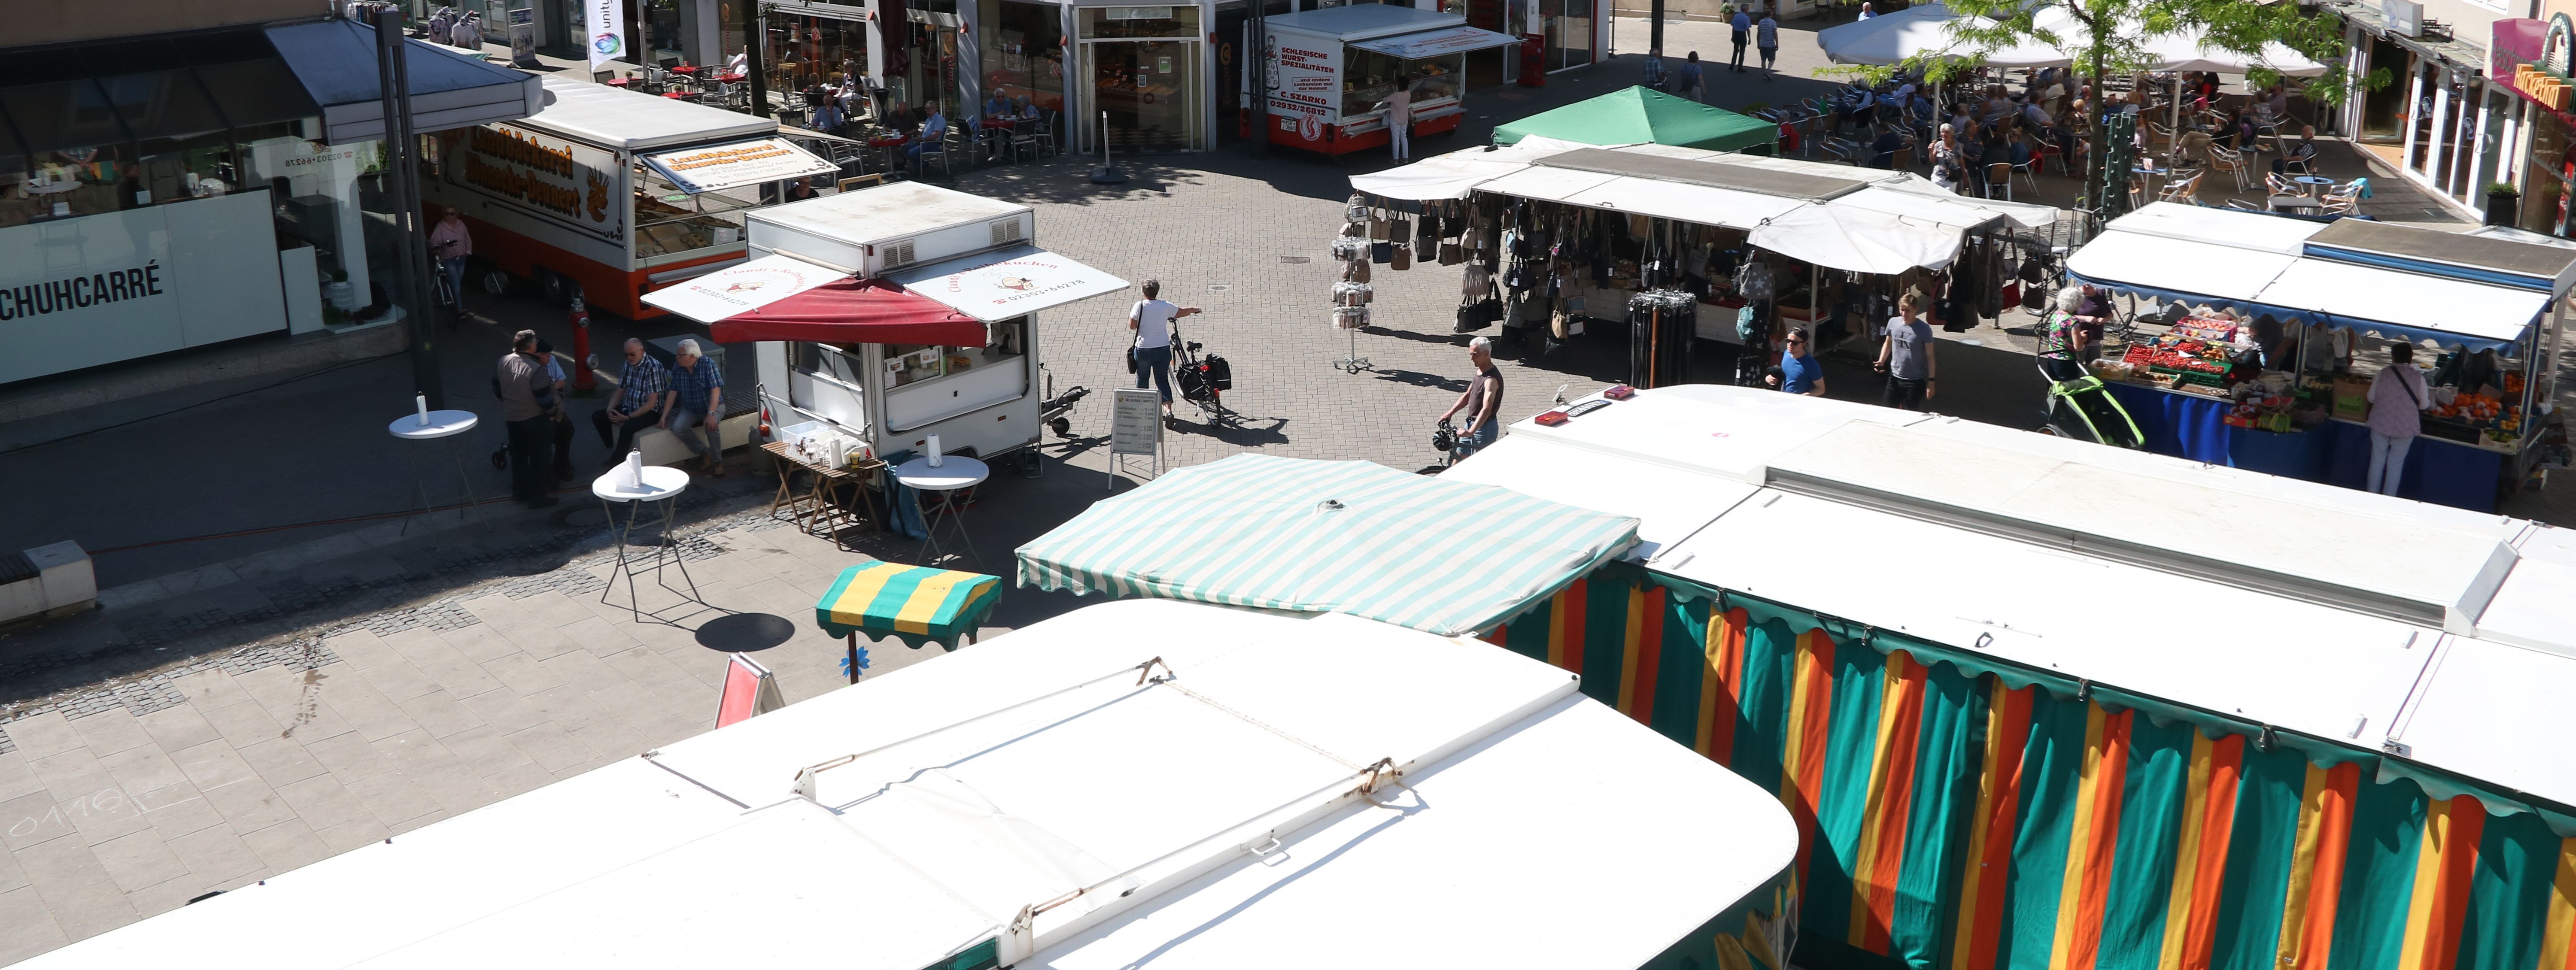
(697, 398)
(1482, 400)
(641, 388)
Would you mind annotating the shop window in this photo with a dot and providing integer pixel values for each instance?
(1023, 53)
(836, 362)
(1112, 23)
(909, 364)
(805, 51)
(669, 222)
(1369, 77)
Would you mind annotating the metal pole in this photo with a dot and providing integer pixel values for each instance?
(1257, 63)
(1654, 29)
(1107, 173)
(755, 59)
(402, 189)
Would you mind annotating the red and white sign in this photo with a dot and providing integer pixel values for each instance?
(1014, 282)
(741, 288)
(749, 691)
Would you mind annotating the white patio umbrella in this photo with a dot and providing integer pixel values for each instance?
(1919, 32)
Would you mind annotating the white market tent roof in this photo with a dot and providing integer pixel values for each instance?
(1925, 31)
(618, 118)
(2261, 263)
(1224, 793)
(1881, 218)
(2332, 612)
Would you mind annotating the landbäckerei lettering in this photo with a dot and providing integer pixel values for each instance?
(56, 296)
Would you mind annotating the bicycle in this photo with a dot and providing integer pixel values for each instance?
(1202, 381)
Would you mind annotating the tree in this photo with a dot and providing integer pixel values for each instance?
(2105, 36)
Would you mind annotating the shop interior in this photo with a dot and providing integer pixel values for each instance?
(801, 51)
(1023, 53)
(1143, 63)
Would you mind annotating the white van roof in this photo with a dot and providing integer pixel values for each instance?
(1214, 810)
(2333, 612)
(618, 118)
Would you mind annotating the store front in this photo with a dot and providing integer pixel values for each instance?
(808, 44)
(2531, 62)
(2449, 124)
(1144, 68)
(164, 193)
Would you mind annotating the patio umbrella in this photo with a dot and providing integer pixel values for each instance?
(1859, 240)
(1920, 32)
(1639, 116)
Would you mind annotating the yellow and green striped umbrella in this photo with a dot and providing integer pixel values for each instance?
(914, 604)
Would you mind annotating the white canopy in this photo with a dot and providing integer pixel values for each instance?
(1860, 240)
(1012, 282)
(1927, 31)
(1453, 175)
(741, 288)
(2152, 262)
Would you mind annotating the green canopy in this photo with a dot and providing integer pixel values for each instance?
(1328, 536)
(1638, 116)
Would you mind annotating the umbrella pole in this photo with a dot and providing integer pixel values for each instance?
(854, 656)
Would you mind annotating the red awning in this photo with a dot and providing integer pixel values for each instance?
(854, 312)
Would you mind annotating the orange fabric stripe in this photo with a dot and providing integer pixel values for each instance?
(1802, 762)
(1981, 890)
(1565, 627)
(2096, 835)
(1721, 684)
(2556, 952)
(2317, 893)
(2443, 862)
(2217, 828)
(1889, 804)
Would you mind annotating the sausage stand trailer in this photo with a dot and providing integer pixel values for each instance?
(609, 193)
(1140, 783)
(1331, 69)
(895, 313)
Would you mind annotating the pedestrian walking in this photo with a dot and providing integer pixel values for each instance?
(1690, 82)
(1799, 371)
(641, 385)
(1743, 26)
(1766, 35)
(2397, 399)
(697, 401)
(1906, 356)
(449, 243)
(1151, 354)
(1654, 79)
(528, 409)
(1482, 400)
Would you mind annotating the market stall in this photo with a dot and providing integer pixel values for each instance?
(1332, 69)
(893, 317)
(2186, 711)
(1747, 246)
(2271, 330)
(609, 193)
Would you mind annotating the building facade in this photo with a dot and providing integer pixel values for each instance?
(2444, 120)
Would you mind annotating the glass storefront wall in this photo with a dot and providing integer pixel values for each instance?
(1023, 52)
(1143, 63)
(804, 51)
(123, 125)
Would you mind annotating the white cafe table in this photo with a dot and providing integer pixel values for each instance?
(955, 473)
(661, 485)
(435, 426)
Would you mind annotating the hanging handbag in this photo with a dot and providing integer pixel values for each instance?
(1399, 231)
(1402, 258)
(1426, 234)
(1381, 253)
(1479, 314)
(1452, 254)
(1377, 227)
(1355, 271)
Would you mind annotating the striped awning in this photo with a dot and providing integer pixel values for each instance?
(1340, 536)
(914, 604)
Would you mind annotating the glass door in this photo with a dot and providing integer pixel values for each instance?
(1149, 92)
(1569, 32)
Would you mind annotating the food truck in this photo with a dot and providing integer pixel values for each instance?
(609, 193)
(1332, 69)
(895, 313)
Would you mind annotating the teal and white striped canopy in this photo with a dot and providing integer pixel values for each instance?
(1341, 536)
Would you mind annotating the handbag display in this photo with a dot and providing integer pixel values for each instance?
(1479, 314)
(1452, 254)
(1377, 228)
(1355, 271)
(1402, 258)
(1381, 253)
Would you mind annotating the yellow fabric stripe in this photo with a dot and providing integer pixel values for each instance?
(1556, 629)
(852, 606)
(2562, 911)
(927, 598)
(1794, 747)
(2429, 853)
(1969, 901)
(2303, 866)
(1874, 803)
(2195, 805)
(1711, 678)
(2088, 790)
(1628, 650)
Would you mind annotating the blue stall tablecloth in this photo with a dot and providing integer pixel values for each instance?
(2336, 452)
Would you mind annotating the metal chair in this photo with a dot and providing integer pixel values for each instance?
(2185, 189)
(1999, 174)
(935, 151)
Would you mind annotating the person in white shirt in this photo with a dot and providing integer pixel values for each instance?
(1399, 118)
(1151, 318)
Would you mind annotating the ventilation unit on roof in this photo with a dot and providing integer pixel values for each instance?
(898, 255)
(1006, 230)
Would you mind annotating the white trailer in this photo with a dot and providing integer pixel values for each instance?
(1137, 783)
(895, 313)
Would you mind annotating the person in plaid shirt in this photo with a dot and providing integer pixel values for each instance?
(697, 398)
(638, 404)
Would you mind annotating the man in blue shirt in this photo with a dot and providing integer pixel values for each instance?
(1800, 371)
(933, 130)
(1687, 82)
(697, 399)
(1766, 38)
(1743, 24)
(1654, 79)
(641, 387)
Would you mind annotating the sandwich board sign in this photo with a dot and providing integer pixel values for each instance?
(1135, 428)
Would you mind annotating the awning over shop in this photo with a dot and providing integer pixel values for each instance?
(1013, 282)
(1453, 175)
(707, 169)
(1317, 536)
(1642, 116)
(779, 298)
(1859, 240)
(336, 62)
(2251, 262)
(1433, 43)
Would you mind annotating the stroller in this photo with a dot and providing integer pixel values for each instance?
(2079, 407)
(1200, 379)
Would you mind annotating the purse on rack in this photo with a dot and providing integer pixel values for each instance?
(1452, 254)
(1377, 227)
(1381, 253)
(1482, 313)
(1403, 258)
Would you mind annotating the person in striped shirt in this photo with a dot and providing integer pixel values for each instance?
(638, 403)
